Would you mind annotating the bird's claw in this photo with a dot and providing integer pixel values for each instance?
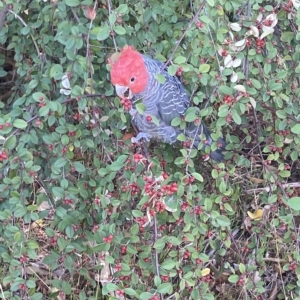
(141, 135)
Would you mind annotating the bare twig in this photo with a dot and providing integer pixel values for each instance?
(184, 34)
(113, 37)
(25, 25)
(268, 188)
(155, 251)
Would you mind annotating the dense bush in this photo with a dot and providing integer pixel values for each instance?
(86, 214)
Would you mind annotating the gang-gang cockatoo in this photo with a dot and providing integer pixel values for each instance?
(134, 78)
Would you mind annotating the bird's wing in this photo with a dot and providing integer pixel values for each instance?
(173, 100)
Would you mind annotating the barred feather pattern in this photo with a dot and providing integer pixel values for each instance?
(165, 102)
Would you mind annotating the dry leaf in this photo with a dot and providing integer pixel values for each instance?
(256, 215)
(256, 180)
(205, 272)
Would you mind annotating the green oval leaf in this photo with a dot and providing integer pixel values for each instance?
(204, 68)
(10, 143)
(294, 203)
(72, 3)
(21, 124)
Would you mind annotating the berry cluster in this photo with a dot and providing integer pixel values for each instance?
(189, 180)
(186, 144)
(4, 125)
(199, 24)
(3, 155)
(138, 157)
(108, 239)
(224, 53)
(259, 43)
(126, 103)
(68, 201)
(179, 71)
(120, 293)
(293, 266)
(184, 206)
(205, 278)
(198, 210)
(186, 255)
(227, 99)
(169, 189)
(160, 206)
(118, 267)
(123, 249)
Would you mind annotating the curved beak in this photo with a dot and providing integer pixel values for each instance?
(123, 91)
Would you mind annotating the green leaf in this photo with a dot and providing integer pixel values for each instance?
(21, 124)
(223, 220)
(32, 245)
(198, 176)
(236, 117)
(43, 111)
(256, 83)
(10, 142)
(120, 30)
(60, 162)
(159, 244)
(233, 278)
(112, 18)
(38, 97)
(56, 72)
(164, 288)
(160, 78)
(190, 117)
(179, 60)
(172, 69)
(296, 129)
(109, 287)
(226, 90)
(294, 203)
(145, 296)
(204, 68)
(281, 114)
(118, 164)
(102, 32)
(242, 268)
(130, 291)
(32, 84)
(72, 3)
(168, 264)
(176, 121)
(287, 36)
(58, 192)
(79, 167)
(223, 110)
(211, 3)
(122, 9)
(140, 107)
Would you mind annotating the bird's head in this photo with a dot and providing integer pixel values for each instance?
(128, 73)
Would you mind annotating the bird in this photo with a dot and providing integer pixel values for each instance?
(134, 76)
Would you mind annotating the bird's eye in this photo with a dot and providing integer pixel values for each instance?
(132, 79)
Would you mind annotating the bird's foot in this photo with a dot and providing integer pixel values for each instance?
(141, 135)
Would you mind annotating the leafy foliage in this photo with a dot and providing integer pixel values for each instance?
(109, 218)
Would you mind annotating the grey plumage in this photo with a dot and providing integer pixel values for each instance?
(165, 102)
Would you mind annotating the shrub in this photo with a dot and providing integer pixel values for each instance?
(105, 217)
